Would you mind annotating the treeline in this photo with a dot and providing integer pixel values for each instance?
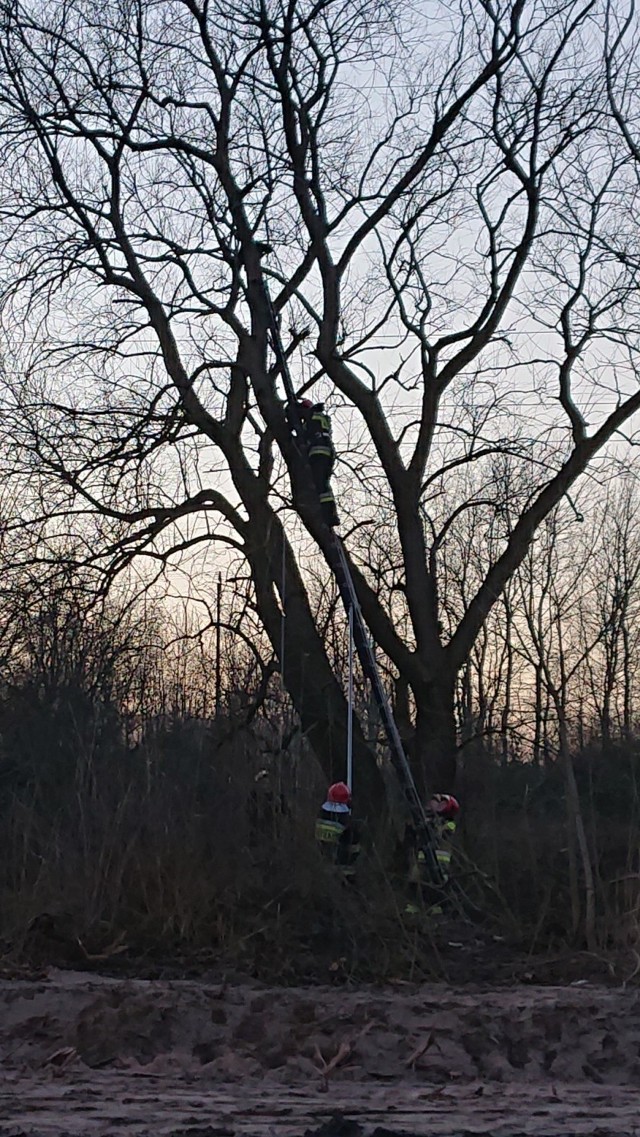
(128, 807)
(156, 789)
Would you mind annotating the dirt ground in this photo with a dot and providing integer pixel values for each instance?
(89, 1055)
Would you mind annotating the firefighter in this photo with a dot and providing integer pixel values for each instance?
(316, 438)
(427, 888)
(444, 808)
(336, 832)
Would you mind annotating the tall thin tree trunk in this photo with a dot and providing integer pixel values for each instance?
(537, 717)
(628, 683)
(508, 684)
(577, 835)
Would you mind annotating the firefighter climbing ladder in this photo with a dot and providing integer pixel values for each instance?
(340, 567)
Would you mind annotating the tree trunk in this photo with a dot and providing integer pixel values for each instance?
(505, 717)
(306, 671)
(322, 709)
(537, 717)
(465, 704)
(577, 834)
(435, 743)
(628, 684)
(402, 711)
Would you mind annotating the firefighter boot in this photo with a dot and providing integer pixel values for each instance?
(330, 514)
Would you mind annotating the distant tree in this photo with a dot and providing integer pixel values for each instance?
(608, 611)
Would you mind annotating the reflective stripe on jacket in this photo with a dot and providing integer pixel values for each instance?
(318, 431)
(339, 842)
(445, 830)
(419, 870)
(328, 832)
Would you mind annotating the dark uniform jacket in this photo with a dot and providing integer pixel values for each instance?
(338, 837)
(419, 869)
(317, 428)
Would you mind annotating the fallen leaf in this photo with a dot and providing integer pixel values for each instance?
(420, 1050)
(62, 1057)
(345, 1050)
(115, 948)
(433, 1095)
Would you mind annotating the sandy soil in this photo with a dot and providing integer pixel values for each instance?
(85, 1055)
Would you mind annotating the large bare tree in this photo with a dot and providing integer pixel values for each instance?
(439, 205)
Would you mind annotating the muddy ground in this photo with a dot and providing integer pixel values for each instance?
(86, 1055)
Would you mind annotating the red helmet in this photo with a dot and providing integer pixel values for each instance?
(306, 403)
(339, 794)
(445, 805)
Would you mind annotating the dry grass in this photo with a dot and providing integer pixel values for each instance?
(175, 851)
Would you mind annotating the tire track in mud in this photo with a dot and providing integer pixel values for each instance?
(83, 1056)
(115, 1106)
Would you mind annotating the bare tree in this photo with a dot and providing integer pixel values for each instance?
(609, 609)
(550, 580)
(435, 225)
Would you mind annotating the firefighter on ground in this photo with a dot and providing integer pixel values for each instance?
(317, 441)
(429, 870)
(336, 832)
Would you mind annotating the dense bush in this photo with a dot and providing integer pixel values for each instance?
(129, 816)
(199, 838)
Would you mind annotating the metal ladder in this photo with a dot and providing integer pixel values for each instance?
(425, 836)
